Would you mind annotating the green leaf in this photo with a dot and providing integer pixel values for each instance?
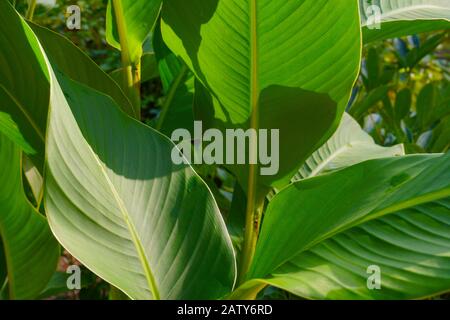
(373, 69)
(178, 86)
(31, 250)
(426, 48)
(24, 85)
(139, 17)
(235, 47)
(359, 109)
(402, 104)
(349, 145)
(400, 18)
(426, 105)
(410, 247)
(74, 63)
(118, 203)
(294, 220)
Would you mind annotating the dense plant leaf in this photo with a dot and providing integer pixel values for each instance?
(270, 65)
(404, 17)
(178, 86)
(294, 218)
(74, 63)
(31, 250)
(113, 189)
(411, 248)
(139, 18)
(23, 107)
(349, 145)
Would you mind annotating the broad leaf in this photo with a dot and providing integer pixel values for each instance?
(178, 86)
(269, 65)
(403, 17)
(24, 85)
(139, 17)
(31, 251)
(349, 145)
(74, 63)
(116, 201)
(410, 249)
(294, 218)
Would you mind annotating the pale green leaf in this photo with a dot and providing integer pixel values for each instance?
(294, 220)
(349, 145)
(118, 203)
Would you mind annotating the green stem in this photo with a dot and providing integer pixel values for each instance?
(130, 73)
(252, 224)
(170, 95)
(30, 10)
(255, 203)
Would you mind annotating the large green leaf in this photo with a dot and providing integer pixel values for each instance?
(178, 86)
(404, 17)
(286, 65)
(116, 201)
(74, 63)
(24, 85)
(411, 248)
(139, 17)
(31, 251)
(349, 145)
(295, 218)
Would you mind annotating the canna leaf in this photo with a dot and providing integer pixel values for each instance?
(23, 107)
(267, 64)
(116, 201)
(349, 145)
(31, 251)
(178, 86)
(410, 248)
(294, 218)
(74, 63)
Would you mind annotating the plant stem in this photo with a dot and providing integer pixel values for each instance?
(252, 224)
(254, 203)
(30, 10)
(131, 73)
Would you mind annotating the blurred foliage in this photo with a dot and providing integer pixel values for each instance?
(403, 92)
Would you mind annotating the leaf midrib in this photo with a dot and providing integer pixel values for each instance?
(131, 228)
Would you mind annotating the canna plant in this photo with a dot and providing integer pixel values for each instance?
(104, 186)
